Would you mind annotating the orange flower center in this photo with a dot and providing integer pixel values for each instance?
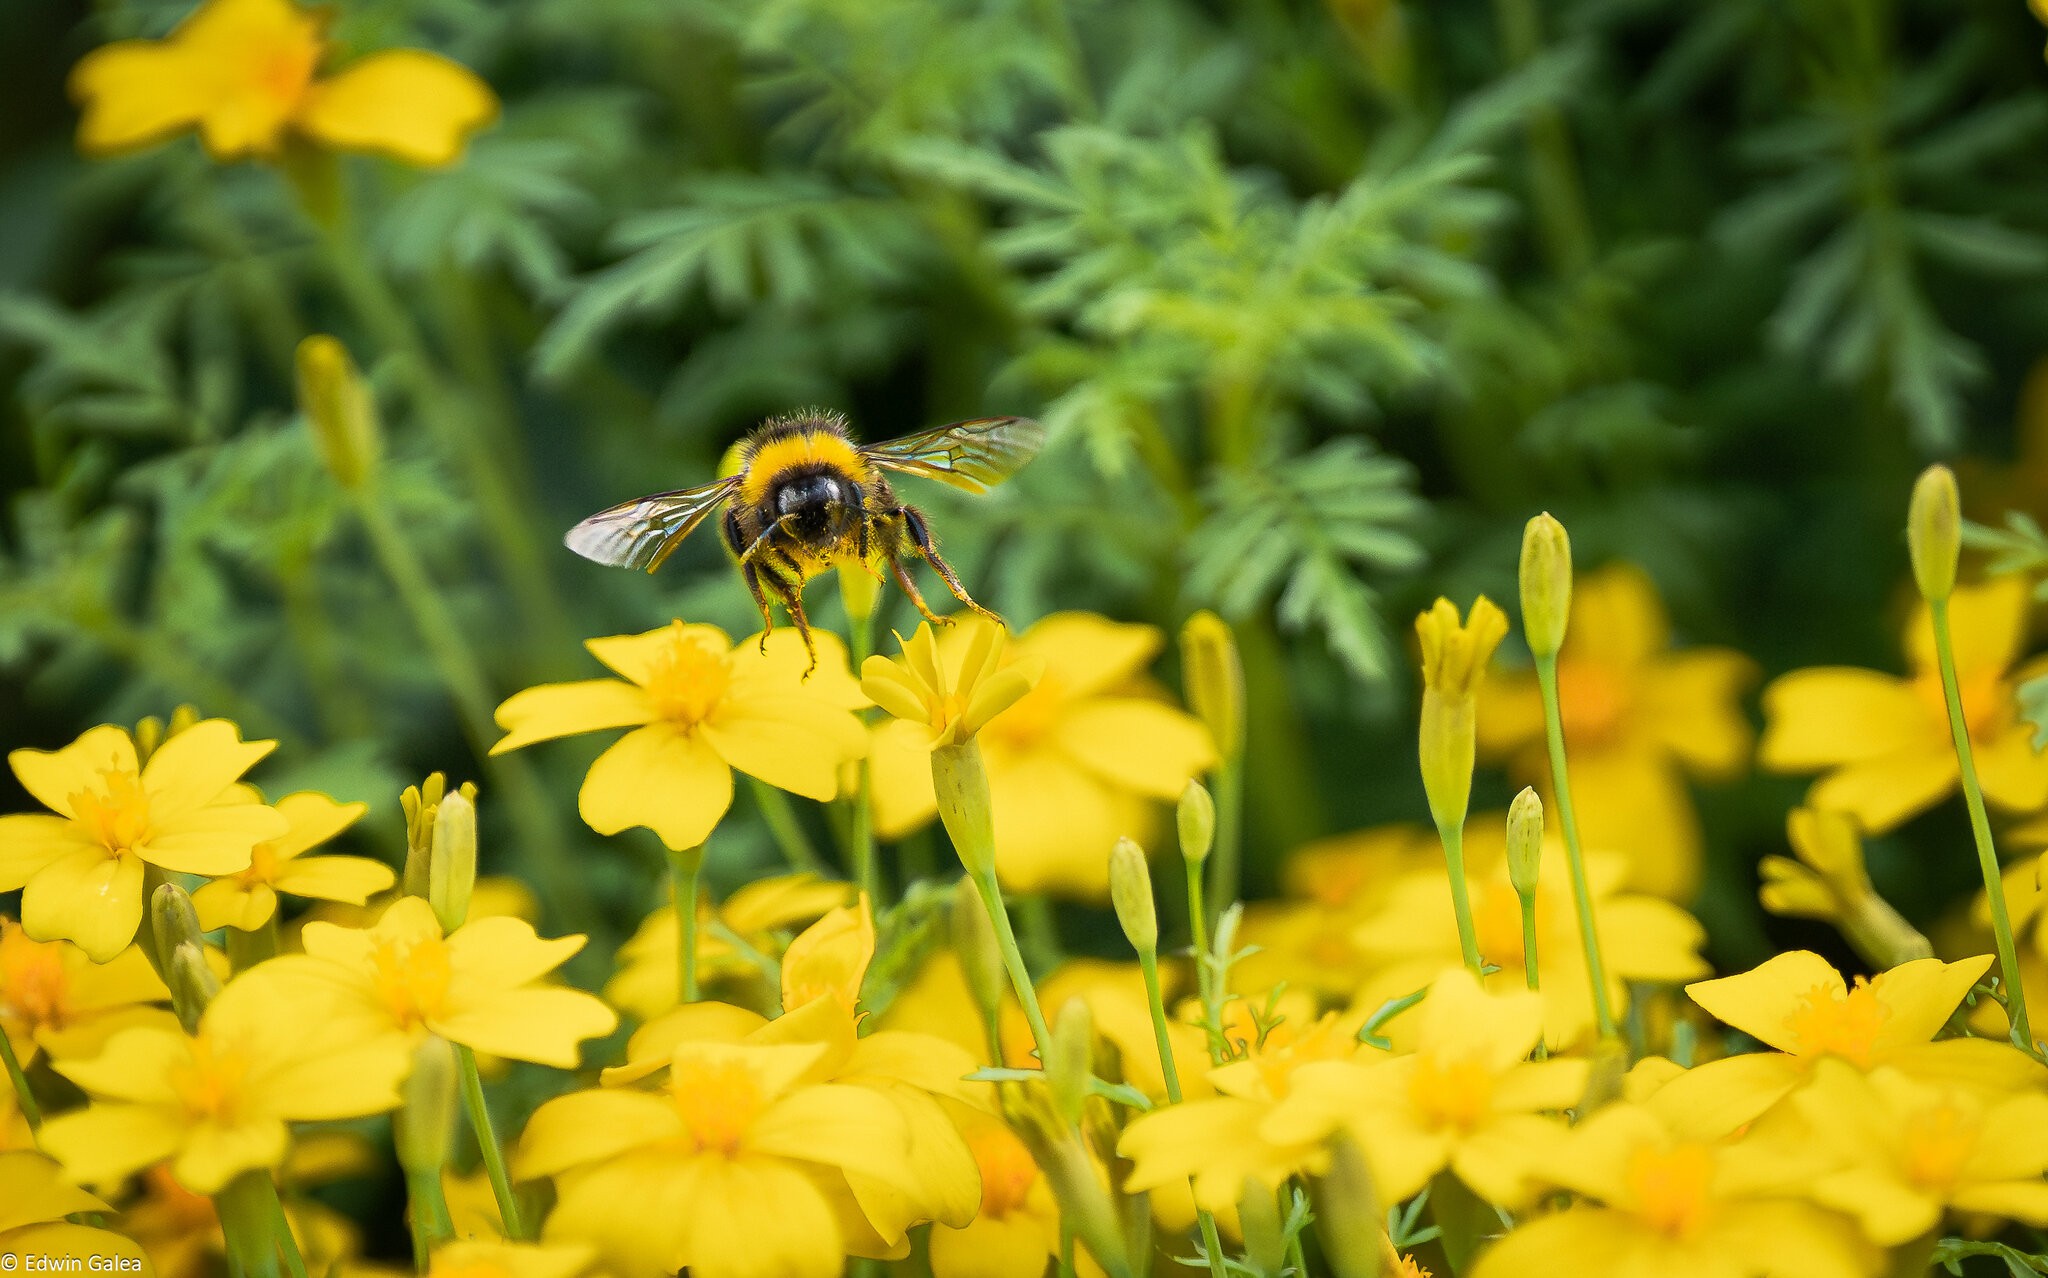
(283, 72)
(1828, 1022)
(33, 986)
(718, 1099)
(1007, 1172)
(1673, 1188)
(1594, 700)
(212, 1083)
(1450, 1093)
(688, 681)
(1939, 1141)
(117, 812)
(1985, 699)
(411, 978)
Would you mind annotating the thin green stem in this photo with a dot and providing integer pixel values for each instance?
(1155, 1003)
(287, 1241)
(246, 1217)
(487, 1139)
(788, 832)
(1226, 856)
(860, 637)
(1530, 976)
(1212, 1004)
(1212, 1244)
(22, 1095)
(431, 1223)
(1575, 857)
(1453, 837)
(1980, 829)
(685, 869)
(1013, 958)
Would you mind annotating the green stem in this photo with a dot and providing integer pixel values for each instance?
(1226, 856)
(1212, 1244)
(781, 820)
(1980, 829)
(1575, 857)
(1453, 837)
(1155, 1003)
(685, 869)
(866, 871)
(1013, 958)
(1530, 976)
(26, 1098)
(1212, 1004)
(431, 1223)
(287, 1241)
(246, 1219)
(487, 1139)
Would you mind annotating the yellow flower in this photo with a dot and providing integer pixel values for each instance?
(1329, 887)
(1912, 1150)
(1637, 717)
(484, 1258)
(244, 73)
(248, 898)
(737, 1169)
(1798, 1004)
(1017, 1230)
(1075, 760)
(1412, 936)
(216, 1103)
(646, 983)
(81, 869)
(699, 707)
(56, 999)
(1455, 656)
(1883, 740)
(1468, 1099)
(34, 1201)
(1829, 881)
(402, 979)
(1677, 1207)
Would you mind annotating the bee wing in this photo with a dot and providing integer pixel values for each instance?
(641, 533)
(974, 455)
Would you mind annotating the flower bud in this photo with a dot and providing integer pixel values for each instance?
(1130, 891)
(1348, 1220)
(1258, 1220)
(1214, 677)
(979, 952)
(422, 804)
(423, 1128)
(1196, 818)
(451, 866)
(1546, 584)
(172, 922)
(339, 406)
(1071, 1063)
(193, 984)
(1934, 532)
(1525, 841)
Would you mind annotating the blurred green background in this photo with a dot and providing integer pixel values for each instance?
(1320, 300)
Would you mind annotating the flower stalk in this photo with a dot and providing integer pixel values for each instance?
(1196, 822)
(685, 869)
(964, 806)
(480, 1122)
(422, 1132)
(23, 1094)
(1215, 689)
(1454, 658)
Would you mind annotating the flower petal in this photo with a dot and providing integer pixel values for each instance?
(1880, 793)
(105, 1144)
(352, 879)
(30, 841)
(592, 1127)
(1921, 995)
(759, 1216)
(781, 668)
(2014, 777)
(87, 897)
(193, 767)
(1692, 702)
(900, 777)
(409, 104)
(1087, 654)
(671, 782)
(1987, 622)
(503, 952)
(1834, 714)
(53, 776)
(565, 709)
(1759, 1002)
(212, 840)
(312, 819)
(792, 742)
(216, 1152)
(545, 1025)
(636, 656)
(1147, 746)
(136, 1065)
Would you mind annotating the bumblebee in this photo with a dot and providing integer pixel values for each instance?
(806, 497)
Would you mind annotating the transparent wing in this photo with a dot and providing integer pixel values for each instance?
(642, 533)
(974, 455)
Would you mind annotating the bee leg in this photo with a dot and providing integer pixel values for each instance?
(761, 543)
(921, 539)
(791, 591)
(917, 599)
(760, 601)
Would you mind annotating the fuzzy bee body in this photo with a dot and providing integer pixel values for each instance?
(806, 497)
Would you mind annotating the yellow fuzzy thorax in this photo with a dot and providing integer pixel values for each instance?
(812, 447)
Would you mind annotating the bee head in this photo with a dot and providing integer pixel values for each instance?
(818, 505)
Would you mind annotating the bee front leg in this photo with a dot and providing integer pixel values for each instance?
(921, 539)
(760, 601)
(788, 583)
(910, 590)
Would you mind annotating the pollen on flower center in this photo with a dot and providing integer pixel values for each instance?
(1451, 1092)
(1830, 1023)
(33, 986)
(1593, 701)
(210, 1085)
(1939, 1141)
(1672, 1187)
(1007, 1172)
(688, 680)
(718, 1100)
(117, 812)
(284, 72)
(411, 978)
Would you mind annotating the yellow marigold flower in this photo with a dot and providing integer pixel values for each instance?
(1677, 1206)
(1412, 937)
(1829, 881)
(402, 979)
(1883, 740)
(1075, 760)
(247, 898)
(1638, 717)
(80, 870)
(647, 983)
(1911, 1150)
(1468, 1099)
(1017, 1231)
(244, 74)
(216, 1103)
(739, 1168)
(699, 707)
(54, 998)
(1798, 1004)
(35, 1198)
(489, 1258)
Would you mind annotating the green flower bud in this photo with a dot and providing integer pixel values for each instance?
(1196, 818)
(423, 1129)
(1130, 891)
(1072, 1063)
(961, 784)
(338, 404)
(193, 984)
(1525, 841)
(1546, 584)
(1258, 1219)
(1213, 674)
(451, 868)
(422, 804)
(1934, 532)
(173, 922)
